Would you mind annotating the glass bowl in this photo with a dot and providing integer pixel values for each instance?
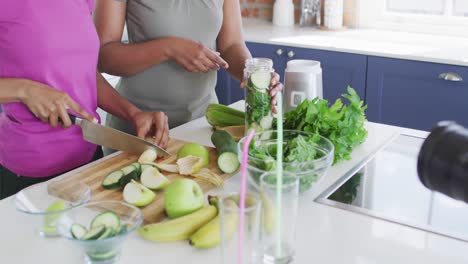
(308, 169)
(44, 203)
(104, 249)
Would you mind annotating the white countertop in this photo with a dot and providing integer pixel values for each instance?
(391, 44)
(325, 234)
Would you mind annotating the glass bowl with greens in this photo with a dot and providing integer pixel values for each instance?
(43, 204)
(99, 228)
(305, 154)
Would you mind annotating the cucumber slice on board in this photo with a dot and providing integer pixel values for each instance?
(112, 180)
(130, 173)
(137, 165)
(108, 219)
(261, 80)
(78, 231)
(94, 233)
(228, 162)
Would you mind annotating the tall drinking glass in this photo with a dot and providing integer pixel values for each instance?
(279, 217)
(244, 245)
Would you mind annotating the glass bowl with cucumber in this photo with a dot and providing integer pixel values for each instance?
(99, 228)
(41, 205)
(307, 155)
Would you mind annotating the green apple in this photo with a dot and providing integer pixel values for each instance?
(137, 194)
(195, 150)
(153, 179)
(51, 218)
(182, 197)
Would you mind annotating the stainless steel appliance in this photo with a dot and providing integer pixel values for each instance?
(303, 80)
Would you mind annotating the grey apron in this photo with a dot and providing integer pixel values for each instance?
(168, 87)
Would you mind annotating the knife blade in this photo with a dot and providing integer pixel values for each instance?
(115, 139)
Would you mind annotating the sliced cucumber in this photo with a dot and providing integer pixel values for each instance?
(102, 256)
(107, 234)
(94, 233)
(261, 80)
(108, 219)
(112, 180)
(120, 230)
(130, 173)
(78, 231)
(266, 122)
(137, 165)
(228, 162)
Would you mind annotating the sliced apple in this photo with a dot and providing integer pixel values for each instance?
(153, 179)
(174, 168)
(190, 164)
(209, 176)
(138, 194)
(148, 155)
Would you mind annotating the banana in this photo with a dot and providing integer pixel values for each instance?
(268, 213)
(210, 234)
(180, 228)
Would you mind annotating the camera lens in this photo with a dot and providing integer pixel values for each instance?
(443, 160)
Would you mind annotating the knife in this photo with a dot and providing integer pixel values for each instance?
(115, 139)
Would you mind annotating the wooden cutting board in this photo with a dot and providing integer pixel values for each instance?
(94, 174)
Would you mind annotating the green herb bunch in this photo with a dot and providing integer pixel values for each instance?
(342, 124)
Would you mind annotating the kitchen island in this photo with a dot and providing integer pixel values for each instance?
(324, 234)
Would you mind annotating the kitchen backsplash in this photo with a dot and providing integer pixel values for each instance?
(263, 9)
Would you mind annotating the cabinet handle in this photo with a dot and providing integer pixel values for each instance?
(450, 76)
(279, 52)
(291, 54)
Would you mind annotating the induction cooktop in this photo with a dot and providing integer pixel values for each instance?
(388, 187)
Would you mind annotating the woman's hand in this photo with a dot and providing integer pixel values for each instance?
(275, 87)
(153, 125)
(193, 56)
(49, 104)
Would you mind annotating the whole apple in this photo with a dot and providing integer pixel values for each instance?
(182, 197)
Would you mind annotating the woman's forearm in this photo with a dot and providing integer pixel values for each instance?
(13, 89)
(121, 59)
(112, 102)
(236, 55)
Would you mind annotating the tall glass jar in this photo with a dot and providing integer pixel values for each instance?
(257, 79)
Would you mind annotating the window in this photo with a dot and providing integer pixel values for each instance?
(448, 17)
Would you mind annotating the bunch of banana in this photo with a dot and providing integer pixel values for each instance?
(180, 228)
(202, 228)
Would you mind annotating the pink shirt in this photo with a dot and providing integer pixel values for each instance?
(52, 42)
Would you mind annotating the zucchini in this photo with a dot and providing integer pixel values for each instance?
(130, 173)
(137, 165)
(94, 233)
(219, 115)
(108, 219)
(112, 180)
(78, 231)
(227, 151)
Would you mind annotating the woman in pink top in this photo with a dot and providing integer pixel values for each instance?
(48, 59)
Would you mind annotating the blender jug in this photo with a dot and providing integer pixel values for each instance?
(303, 80)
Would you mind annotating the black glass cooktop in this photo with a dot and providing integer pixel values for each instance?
(388, 187)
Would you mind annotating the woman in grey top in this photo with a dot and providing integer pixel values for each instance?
(174, 50)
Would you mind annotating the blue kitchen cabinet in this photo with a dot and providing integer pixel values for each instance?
(228, 89)
(338, 70)
(414, 94)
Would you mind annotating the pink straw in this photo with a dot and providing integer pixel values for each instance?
(243, 170)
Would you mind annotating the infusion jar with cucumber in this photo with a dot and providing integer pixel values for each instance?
(257, 79)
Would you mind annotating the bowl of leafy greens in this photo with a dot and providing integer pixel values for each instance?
(305, 154)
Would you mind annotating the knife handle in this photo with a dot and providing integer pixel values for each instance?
(73, 119)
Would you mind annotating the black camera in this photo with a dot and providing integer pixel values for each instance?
(443, 160)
